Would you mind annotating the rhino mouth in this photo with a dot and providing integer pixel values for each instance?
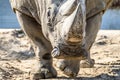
(63, 51)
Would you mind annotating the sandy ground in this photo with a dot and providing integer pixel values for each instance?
(16, 59)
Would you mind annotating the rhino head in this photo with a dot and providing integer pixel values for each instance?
(68, 34)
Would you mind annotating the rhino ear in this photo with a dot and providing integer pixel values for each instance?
(68, 7)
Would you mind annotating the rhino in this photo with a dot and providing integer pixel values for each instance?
(61, 29)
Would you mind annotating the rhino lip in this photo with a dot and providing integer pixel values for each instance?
(74, 43)
(69, 52)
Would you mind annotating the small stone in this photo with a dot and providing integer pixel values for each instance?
(104, 76)
(1, 78)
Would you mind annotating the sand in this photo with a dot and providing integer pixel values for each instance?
(17, 59)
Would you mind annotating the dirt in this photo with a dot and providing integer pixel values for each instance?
(17, 57)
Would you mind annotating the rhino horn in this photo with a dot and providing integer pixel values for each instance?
(73, 29)
(68, 7)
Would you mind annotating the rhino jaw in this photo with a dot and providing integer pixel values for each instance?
(69, 52)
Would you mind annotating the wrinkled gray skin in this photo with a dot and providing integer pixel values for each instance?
(63, 29)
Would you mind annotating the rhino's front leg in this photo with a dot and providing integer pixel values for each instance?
(69, 67)
(93, 25)
(43, 67)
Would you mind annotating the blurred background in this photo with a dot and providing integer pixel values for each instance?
(111, 19)
(7, 17)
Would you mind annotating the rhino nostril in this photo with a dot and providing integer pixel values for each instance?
(55, 52)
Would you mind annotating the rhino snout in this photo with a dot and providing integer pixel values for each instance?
(73, 29)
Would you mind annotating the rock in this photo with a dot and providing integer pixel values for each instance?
(18, 33)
